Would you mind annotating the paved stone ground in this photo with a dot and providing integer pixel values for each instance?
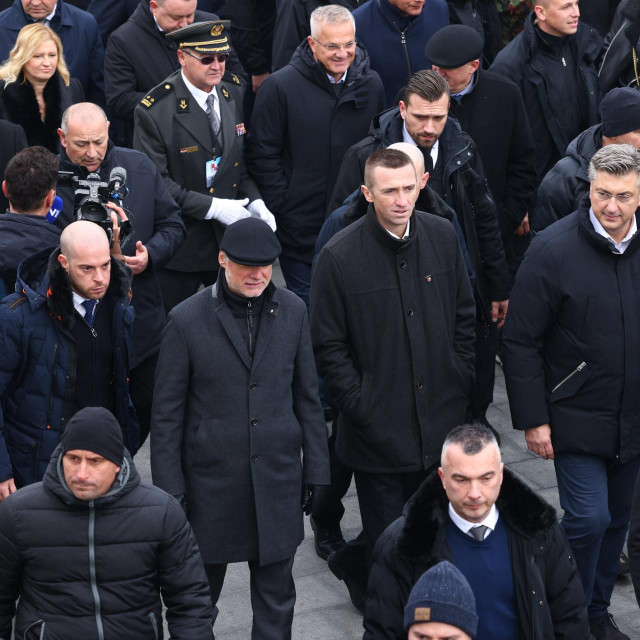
(323, 610)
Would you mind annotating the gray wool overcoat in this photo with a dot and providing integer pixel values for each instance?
(229, 432)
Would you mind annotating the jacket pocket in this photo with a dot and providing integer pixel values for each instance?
(570, 384)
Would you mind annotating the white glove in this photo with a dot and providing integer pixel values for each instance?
(227, 211)
(259, 210)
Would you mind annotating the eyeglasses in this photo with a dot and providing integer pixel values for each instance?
(622, 198)
(337, 47)
(207, 60)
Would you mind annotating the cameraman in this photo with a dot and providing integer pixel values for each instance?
(158, 231)
(29, 183)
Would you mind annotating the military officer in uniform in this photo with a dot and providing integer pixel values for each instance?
(191, 126)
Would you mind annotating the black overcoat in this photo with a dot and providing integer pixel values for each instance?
(228, 431)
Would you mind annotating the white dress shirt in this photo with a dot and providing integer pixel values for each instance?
(465, 526)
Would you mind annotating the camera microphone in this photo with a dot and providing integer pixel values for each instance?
(117, 180)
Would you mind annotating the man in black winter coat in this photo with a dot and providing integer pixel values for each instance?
(29, 183)
(571, 372)
(158, 232)
(392, 318)
(553, 61)
(90, 549)
(305, 118)
(503, 538)
(566, 184)
(490, 109)
(456, 175)
(139, 57)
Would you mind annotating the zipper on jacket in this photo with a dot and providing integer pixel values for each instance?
(52, 382)
(154, 624)
(250, 326)
(92, 569)
(579, 368)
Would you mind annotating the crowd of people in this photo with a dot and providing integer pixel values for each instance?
(444, 185)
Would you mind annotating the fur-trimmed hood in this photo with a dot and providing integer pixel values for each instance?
(427, 512)
(19, 105)
(43, 280)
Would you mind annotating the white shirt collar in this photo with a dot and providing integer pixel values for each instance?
(624, 243)
(201, 96)
(160, 29)
(406, 137)
(49, 18)
(332, 81)
(467, 89)
(465, 526)
(404, 236)
(77, 303)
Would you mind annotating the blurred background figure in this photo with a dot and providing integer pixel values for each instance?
(36, 87)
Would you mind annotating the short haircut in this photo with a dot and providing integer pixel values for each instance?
(85, 109)
(30, 175)
(426, 84)
(330, 14)
(617, 160)
(472, 438)
(387, 158)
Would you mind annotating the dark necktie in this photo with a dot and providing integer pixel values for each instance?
(428, 160)
(90, 306)
(478, 532)
(212, 116)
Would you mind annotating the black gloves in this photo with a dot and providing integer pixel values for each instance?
(311, 492)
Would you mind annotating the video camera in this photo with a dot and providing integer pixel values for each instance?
(92, 195)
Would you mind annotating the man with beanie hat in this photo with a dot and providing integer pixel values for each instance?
(567, 183)
(235, 405)
(92, 552)
(490, 109)
(570, 349)
(441, 606)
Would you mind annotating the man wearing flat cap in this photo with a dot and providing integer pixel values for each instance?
(90, 550)
(192, 127)
(236, 403)
(490, 109)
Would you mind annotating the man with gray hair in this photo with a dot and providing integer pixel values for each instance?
(306, 116)
(502, 537)
(571, 367)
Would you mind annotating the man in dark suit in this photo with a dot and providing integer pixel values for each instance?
(236, 402)
(191, 126)
(139, 56)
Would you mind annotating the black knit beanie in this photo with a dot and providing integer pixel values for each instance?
(442, 594)
(620, 111)
(94, 429)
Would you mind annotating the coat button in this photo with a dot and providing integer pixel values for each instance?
(254, 458)
(410, 312)
(211, 190)
(234, 185)
(419, 386)
(252, 386)
(235, 164)
(254, 422)
(403, 264)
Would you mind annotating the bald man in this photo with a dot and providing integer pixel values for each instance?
(64, 342)
(158, 232)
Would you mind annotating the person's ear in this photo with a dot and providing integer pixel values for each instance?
(367, 194)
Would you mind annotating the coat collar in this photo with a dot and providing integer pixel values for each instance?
(426, 514)
(230, 326)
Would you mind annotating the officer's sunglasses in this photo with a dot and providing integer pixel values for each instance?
(207, 60)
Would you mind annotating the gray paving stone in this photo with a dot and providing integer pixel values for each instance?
(323, 610)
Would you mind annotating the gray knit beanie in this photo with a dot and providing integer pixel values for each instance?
(442, 594)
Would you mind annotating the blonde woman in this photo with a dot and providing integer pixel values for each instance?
(35, 86)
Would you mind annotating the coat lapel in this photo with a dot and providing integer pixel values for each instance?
(227, 117)
(230, 326)
(267, 322)
(193, 118)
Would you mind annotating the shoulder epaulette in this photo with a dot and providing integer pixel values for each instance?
(156, 94)
(231, 77)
